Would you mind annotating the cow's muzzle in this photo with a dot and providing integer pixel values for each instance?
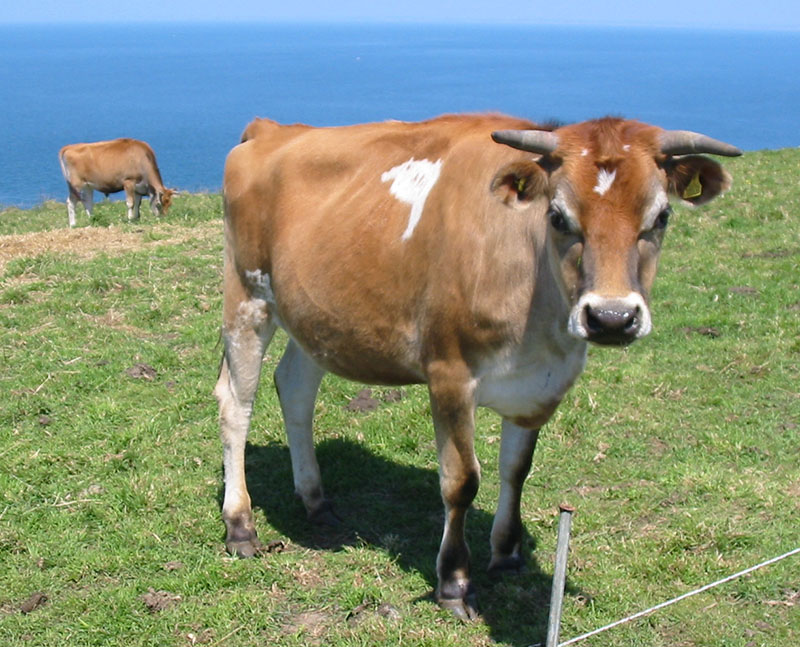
(610, 321)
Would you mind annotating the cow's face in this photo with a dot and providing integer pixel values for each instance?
(162, 201)
(608, 185)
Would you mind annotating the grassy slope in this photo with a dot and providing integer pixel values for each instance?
(680, 454)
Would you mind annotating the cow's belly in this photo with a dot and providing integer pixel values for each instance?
(528, 393)
(376, 347)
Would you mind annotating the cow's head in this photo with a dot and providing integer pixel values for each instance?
(608, 183)
(161, 202)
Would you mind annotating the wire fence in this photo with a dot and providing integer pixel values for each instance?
(702, 589)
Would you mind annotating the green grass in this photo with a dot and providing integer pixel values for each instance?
(680, 453)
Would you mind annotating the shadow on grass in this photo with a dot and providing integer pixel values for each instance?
(396, 508)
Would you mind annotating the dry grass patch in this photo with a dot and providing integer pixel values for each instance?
(88, 242)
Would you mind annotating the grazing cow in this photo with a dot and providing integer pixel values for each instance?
(109, 167)
(398, 253)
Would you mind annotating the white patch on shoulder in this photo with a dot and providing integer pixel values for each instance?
(605, 179)
(412, 182)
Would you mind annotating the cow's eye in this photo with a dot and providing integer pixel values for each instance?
(663, 218)
(557, 220)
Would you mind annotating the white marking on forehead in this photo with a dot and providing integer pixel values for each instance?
(626, 147)
(605, 179)
(584, 152)
(412, 182)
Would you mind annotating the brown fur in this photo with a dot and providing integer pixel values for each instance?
(113, 166)
(475, 302)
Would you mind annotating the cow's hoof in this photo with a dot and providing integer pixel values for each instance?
(248, 548)
(325, 515)
(465, 609)
(509, 564)
(243, 542)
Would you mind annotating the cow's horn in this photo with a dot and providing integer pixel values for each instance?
(533, 141)
(685, 142)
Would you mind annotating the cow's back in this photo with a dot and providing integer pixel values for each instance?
(105, 165)
(329, 214)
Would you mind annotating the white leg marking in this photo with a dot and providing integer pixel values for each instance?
(235, 392)
(605, 179)
(71, 210)
(413, 181)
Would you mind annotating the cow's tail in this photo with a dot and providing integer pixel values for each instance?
(64, 166)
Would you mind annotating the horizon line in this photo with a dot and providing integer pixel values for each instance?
(575, 24)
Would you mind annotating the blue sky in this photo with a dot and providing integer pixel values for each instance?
(702, 14)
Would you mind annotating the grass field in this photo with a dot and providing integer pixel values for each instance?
(680, 455)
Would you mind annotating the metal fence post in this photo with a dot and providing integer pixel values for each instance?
(559, 575)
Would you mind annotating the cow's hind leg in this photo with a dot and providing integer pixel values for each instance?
(516, 453)
(297, 381)
(87, 197)
(247, 330)
(453, 407)
(73, 198)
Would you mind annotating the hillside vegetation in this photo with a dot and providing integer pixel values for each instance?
(680, 455)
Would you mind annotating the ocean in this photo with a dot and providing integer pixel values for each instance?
(190, 89)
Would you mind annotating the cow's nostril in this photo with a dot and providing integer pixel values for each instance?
(612, 324)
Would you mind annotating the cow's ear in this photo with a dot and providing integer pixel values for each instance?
(518, 183)
(696, 179)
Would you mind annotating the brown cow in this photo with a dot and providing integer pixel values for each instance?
(400, 253)
(109, 167)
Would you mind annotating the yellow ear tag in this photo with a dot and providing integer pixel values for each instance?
(521, 184)
(694, 188)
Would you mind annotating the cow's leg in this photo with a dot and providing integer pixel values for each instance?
(87, 197)
(297, 380)
(247, 329)
(154, 203)
(453, 407)
(132, 200)
(516, 453)
(73, 198)
(137, 202)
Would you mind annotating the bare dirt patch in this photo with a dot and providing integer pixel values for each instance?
(312, 625)
(87, 242)
(157, 601)
(33, 602)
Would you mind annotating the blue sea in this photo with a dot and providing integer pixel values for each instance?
(189, 90)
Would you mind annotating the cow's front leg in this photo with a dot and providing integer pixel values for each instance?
(137, 202)
(516, 453)
(453, 406)
(132, 200)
